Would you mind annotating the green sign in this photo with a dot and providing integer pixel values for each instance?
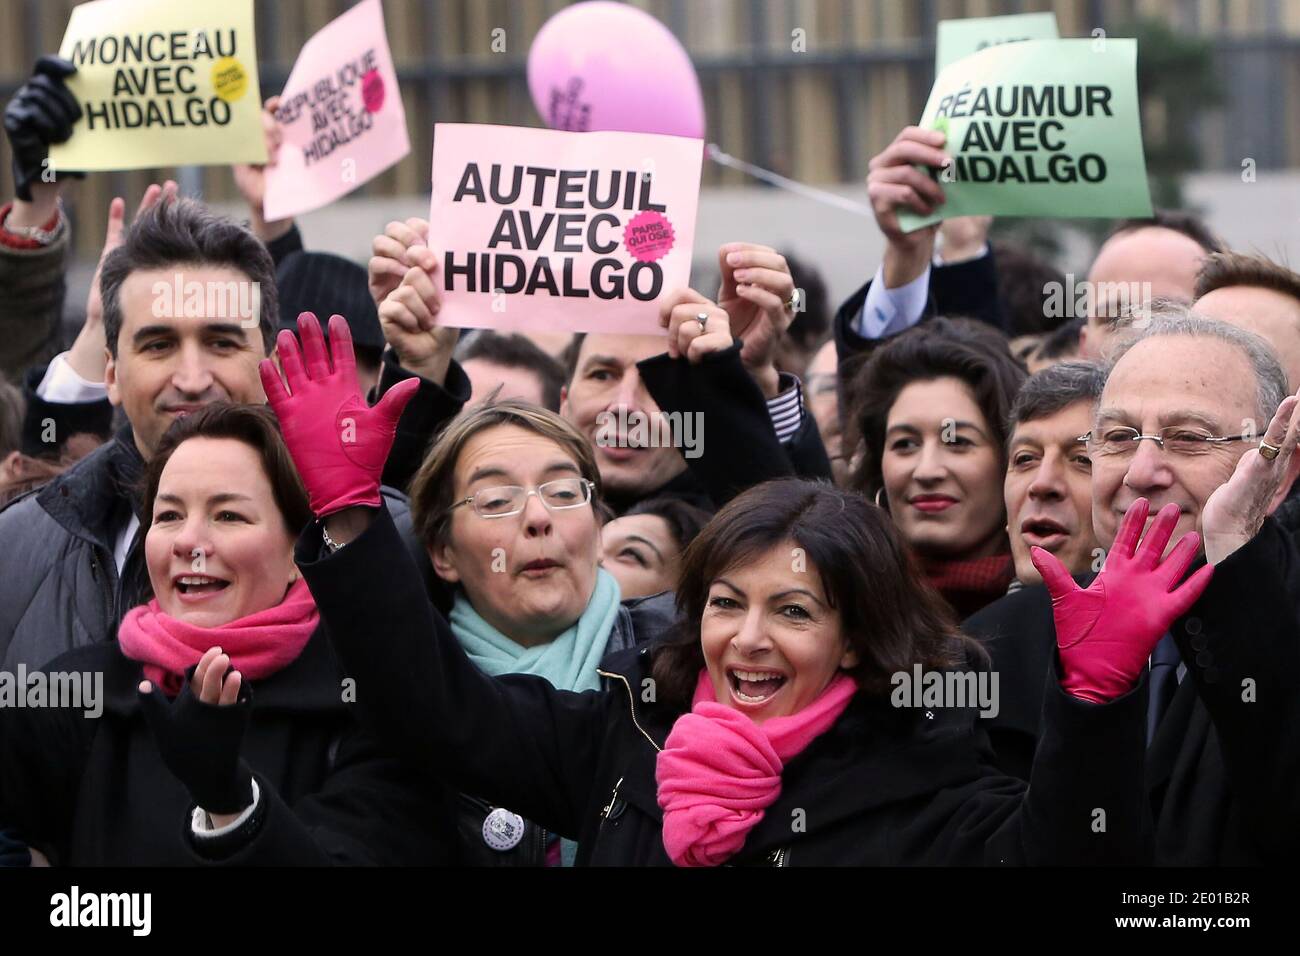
(961, 38)
(1040, 128)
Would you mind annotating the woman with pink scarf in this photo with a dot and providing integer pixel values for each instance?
(771, 728)
(216, 729)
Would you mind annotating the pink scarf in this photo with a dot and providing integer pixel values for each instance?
(719, 770)
(259, 644)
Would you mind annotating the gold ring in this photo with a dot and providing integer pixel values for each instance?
(1268, 452)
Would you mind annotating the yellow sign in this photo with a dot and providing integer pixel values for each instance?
(162, 83)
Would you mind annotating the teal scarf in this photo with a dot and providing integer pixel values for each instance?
(569, 662)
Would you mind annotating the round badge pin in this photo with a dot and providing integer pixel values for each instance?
(502, 830)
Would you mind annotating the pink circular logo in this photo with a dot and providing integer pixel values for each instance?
(372, 91)
(649, 236)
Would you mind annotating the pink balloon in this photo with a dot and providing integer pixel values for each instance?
(609, 66)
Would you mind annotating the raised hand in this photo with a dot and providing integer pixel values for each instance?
(895, 182)
(409, 317)
(390, 260)
(338, 443)
(250, 179)
(1106, 632)
(1235, 511)
(201, 733)
(41, 113)
(756, 292)
(680, 314)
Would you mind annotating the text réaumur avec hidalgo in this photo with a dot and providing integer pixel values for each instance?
(577, 232)
(1015, 141)
(142, 93)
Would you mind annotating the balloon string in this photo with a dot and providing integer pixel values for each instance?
(790, 185)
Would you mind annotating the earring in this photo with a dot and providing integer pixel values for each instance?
(879, 492)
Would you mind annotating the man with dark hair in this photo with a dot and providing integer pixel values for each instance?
(1048, 489)
(189, 309)
(1256, 294)
(511, 366)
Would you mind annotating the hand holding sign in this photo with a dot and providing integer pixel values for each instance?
(543, 231)
(896, 183)
(756, 292)
(1040, 128)
(409, 318)
(390, 262)
(341, 112)
(162, 83)
(40, 114)
(250, 178)
(690, 335)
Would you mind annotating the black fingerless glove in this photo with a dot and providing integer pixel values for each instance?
(13, 849)
(42, 112)
(200, 745)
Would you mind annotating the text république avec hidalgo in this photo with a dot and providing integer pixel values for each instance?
(160, 71)
(1019, 139)
(562, 232)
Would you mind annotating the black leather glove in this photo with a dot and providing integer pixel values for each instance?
(42, 112)
(200, 745)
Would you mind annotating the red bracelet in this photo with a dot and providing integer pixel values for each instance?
(14, 241)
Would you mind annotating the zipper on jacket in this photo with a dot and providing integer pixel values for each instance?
(780, 857)
(613, 798)
(631, 701)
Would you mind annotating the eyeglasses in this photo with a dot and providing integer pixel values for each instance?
(506, 500)
(1177, 440)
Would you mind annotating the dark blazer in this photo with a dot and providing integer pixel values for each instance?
(1223, 772)
(964, 289)
(739, 448)
(91, 792)
(882, 786)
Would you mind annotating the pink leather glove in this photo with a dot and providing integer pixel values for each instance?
(338, 443)
(1106, 633)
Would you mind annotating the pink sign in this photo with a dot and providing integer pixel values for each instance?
(341, 114)
(544, 231)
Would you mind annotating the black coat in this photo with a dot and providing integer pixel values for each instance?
(1223, 773)
(964, 289)
(638, 620)
(882, 786)
(93, 792)
(739, 446)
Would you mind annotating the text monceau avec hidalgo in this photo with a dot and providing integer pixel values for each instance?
(166, 68)
(1017, 141)
(562, 233)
